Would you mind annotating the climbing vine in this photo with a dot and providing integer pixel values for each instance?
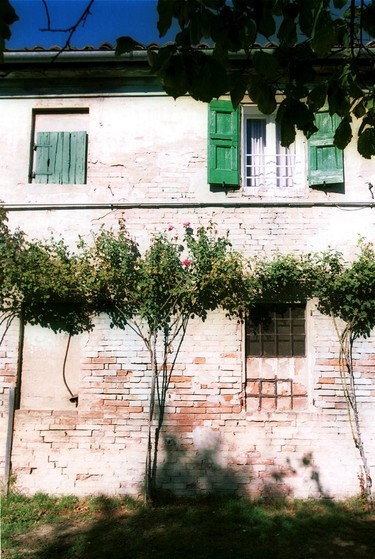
(11, 245)
(184, 273)
(156, 294)
(350, 296)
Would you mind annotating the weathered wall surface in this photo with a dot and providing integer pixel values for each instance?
(219, 434)
(224, 429)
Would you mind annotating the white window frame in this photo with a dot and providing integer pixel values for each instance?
(267, 180)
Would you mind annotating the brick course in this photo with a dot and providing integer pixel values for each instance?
(219, 434)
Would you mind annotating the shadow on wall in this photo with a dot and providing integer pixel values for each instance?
(195, 472)
(198, 469)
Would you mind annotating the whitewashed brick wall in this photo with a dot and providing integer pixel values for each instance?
(152, 149)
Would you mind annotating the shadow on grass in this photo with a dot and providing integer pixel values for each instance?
(205, 528)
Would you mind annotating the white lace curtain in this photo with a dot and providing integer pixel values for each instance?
(267, 162)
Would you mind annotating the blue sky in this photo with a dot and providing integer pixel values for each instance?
(110, 19)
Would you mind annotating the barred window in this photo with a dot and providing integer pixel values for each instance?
(276, 330)
(267, 163)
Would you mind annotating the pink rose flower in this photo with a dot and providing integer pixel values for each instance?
(186, 224)
(171, 227)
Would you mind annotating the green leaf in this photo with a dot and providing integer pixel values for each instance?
(153, 59)
(348, 81)
(306, 19)
(7, 17)
(160, 59)
(298, 61)
(366, 143)
(323, 37)
(238, 88)
(266, 64)
(297, 91)
(287, 33)
(225, 30)
(7, 14)
(166, 10)
(339, 3)
(302, 116)
(287, 128)
(343, 134)
(174, 76)
(264, 18)
(338, 97)
(317, 97)
(183, 38)
(359, 110)
(290, 11)
(214, 4)
(125, 44)
(263, 94)
(248, 33)
(208, 78)
(368, 19)
(195, 29)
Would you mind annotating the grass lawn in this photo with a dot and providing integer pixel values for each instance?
(44, 527)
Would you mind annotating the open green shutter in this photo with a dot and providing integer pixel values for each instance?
(223, 143)
(78, 164)
(61, 157)
(326, 162)
(42, 159)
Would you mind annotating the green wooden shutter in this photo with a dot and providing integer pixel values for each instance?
(223, 143)
(326, 162)
(61, 157)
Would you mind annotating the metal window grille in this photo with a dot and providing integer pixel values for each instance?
(279, 332)
(267, 162)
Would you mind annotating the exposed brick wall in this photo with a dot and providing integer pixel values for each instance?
(214, 439)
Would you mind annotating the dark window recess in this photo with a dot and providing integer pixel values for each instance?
(276, 331)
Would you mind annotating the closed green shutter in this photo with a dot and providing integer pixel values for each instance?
(61, 157)
(326, 162)
(223, 144)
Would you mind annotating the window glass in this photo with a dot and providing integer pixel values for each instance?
(276, 331)
(267, 163)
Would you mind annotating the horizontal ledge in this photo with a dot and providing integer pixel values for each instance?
(180, 205)
(141, 55)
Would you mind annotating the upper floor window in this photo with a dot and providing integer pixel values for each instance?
(244, 147)
(266, 162)
(59, 147)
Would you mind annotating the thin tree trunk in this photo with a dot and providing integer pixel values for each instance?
(159, 390)
(347, 339)
(366, 481)
(149, 453)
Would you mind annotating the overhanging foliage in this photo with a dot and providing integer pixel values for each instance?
(314, 53)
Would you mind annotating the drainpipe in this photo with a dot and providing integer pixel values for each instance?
(9, 439)
(14, 404)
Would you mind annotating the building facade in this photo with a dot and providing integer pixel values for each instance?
(89, 139)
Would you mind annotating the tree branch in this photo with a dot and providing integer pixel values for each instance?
(70, 30)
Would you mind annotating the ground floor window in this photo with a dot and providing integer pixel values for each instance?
(276, 330)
